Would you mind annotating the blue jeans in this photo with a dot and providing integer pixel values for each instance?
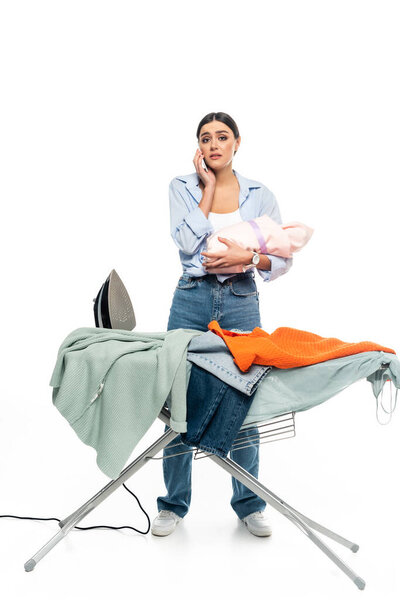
(215, 412)
(235, 305)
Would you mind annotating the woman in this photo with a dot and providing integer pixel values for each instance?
(201, 203)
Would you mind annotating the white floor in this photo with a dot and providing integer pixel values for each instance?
(340, 470)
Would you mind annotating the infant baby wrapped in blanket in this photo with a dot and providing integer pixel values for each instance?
(261, 235)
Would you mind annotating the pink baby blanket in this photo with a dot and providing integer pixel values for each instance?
(261, 235)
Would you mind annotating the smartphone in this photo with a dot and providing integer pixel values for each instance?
(204, 164)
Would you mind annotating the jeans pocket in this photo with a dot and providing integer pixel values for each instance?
(244, 287)
(186, 282)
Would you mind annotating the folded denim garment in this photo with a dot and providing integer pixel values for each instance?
(215, 412)
(210, 352)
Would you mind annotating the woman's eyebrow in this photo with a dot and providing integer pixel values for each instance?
(220, 131)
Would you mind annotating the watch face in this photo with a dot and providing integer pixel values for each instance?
(256, 259)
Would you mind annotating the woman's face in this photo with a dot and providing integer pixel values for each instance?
(216, 138)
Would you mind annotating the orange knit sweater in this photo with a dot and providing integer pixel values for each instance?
(286, 347)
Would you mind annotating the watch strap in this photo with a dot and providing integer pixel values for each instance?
(245, 267)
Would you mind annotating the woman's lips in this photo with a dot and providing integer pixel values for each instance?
(215, 156)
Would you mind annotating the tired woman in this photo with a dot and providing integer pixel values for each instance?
(203, 202)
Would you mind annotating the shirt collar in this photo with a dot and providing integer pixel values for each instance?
(192, 181)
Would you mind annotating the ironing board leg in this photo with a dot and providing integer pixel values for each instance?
(69, 522)
(302, 522)
(318, 527)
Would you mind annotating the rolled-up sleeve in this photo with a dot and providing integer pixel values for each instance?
(189, 225)
(279, 264)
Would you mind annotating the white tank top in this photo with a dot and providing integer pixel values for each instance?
(219, 220)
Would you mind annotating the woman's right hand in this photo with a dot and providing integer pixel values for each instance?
(207, 177)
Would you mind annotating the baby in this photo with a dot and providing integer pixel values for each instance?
(260, 235)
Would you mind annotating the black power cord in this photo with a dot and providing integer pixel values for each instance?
(93, 526)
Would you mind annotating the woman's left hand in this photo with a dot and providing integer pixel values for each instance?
(232, 256)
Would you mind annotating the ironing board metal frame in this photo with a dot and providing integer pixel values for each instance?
(305, 524)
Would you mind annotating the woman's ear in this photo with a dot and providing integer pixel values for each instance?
(238, 143)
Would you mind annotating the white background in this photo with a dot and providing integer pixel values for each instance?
(100, 103)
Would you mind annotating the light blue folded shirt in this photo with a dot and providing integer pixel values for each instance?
(302, 388)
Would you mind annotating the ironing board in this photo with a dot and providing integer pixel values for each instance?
(280, 427)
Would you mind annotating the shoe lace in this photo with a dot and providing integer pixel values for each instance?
(166, 513)
(257, 515)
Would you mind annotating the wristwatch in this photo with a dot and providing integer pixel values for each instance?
(254, 261)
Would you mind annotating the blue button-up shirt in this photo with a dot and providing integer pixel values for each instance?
(190, 227)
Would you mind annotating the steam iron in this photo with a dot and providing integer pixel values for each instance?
(112, 306)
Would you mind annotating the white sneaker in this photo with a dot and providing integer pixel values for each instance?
(165, 522)
(257, 523)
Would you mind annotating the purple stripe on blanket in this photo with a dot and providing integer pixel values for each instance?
(260, 236)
